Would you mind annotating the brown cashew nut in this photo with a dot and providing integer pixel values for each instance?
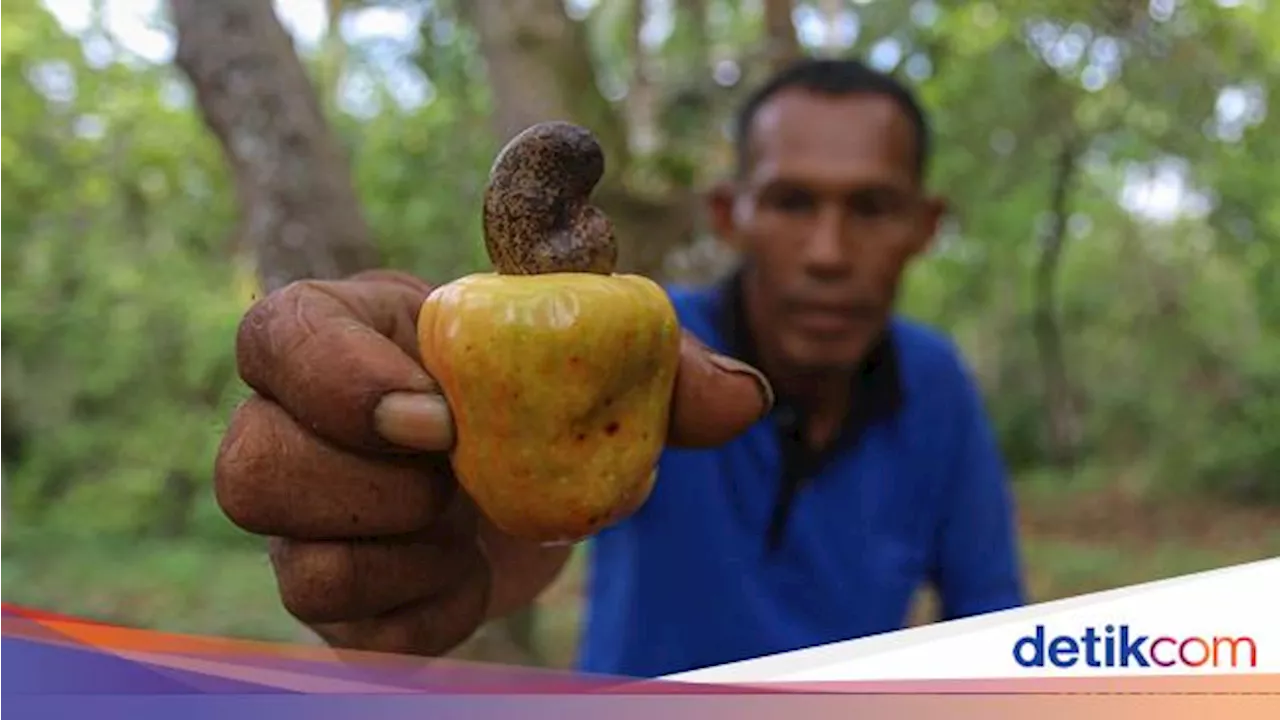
(537, 215)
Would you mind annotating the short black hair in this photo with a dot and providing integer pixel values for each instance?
(833, 76)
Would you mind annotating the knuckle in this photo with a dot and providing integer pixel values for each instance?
(260, 329)
(244, 464)
(252, 329)
(454, 617)
(272, 476)
(317, 581)
(429, 627)
(393, 277)
(325, 582)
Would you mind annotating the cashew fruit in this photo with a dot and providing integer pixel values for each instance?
(558, 370)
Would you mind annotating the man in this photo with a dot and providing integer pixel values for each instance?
(774, 524)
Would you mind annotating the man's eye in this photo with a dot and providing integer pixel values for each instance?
(868, 204)
(793, 201)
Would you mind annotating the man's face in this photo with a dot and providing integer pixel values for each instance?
(828, 211)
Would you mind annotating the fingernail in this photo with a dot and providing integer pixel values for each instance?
(732, 365)
(415, 420)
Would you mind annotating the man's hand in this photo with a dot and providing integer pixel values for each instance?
(340, 458)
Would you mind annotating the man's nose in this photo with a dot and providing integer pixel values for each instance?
(826, 253)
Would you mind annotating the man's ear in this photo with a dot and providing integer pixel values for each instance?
(934, 212)
(720, 200)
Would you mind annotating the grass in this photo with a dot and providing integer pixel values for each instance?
(1076, 539)
(181, 586)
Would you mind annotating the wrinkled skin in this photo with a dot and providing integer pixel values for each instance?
(560, 388)
(340, 457)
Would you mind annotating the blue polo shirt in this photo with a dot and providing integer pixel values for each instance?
(758, 547)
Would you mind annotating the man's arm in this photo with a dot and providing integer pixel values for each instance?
(979, 568)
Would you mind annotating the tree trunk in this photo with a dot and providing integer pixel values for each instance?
(696, 16)
(300, 215)
(642, 92)
(4, 500)
(780, 32)
(1060, 412)
(540, 68)
(172, 508)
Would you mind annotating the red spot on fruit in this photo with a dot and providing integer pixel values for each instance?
(611, 428)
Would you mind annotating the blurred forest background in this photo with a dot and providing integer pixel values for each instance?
(1111, 268)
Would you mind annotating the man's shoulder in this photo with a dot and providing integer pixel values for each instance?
(939, 384)
(928, 356)
(696, 306)
(685, 296)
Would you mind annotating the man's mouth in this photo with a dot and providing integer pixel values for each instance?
(830, 318)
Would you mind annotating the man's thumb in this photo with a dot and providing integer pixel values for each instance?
(716, 397)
